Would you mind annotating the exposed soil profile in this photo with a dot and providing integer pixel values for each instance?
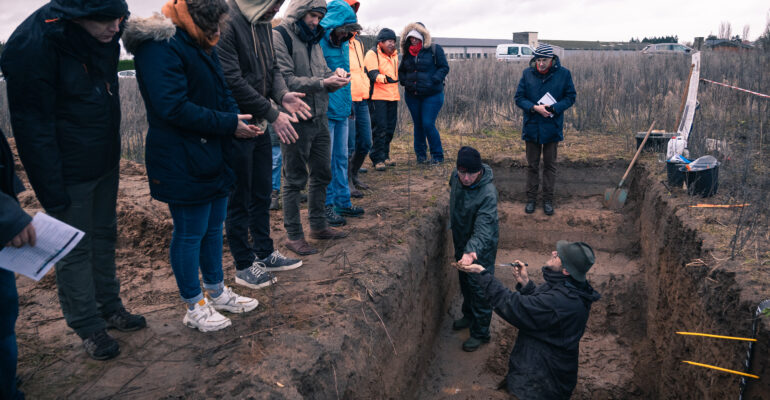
(369, 317)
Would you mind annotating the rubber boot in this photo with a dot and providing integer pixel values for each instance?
(354, 192)
(356, 161)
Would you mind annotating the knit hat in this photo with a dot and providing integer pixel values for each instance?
(413, 33)
(320, 10)
(576, 257)
(544, 51)
(386, 34)
(468, 160)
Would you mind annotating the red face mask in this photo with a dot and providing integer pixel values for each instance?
(415, 49)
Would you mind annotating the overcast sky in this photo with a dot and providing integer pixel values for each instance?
(606, 20)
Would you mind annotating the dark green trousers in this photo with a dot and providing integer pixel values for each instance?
(88, 287)
(308, 157)
(475, 307)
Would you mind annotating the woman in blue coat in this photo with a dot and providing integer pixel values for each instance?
(422, 72)
(192, 118)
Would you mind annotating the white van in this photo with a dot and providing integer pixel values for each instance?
(513, 52)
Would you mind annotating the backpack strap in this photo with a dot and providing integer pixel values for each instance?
(286, 38)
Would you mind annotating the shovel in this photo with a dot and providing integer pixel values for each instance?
(616, 197)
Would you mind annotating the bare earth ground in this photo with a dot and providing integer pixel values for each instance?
(278, 350)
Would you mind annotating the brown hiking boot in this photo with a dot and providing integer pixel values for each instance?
(390, 163)
(300, 247)
(328, 233)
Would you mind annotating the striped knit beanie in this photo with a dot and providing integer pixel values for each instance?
(544, 51)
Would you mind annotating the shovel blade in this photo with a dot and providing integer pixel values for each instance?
(615, 198)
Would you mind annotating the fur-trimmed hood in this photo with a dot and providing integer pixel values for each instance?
(139, 30)
(419, 27)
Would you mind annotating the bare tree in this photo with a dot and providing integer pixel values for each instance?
(725, 30)
(745, 33)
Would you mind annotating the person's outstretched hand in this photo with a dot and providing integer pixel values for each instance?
(293, 104)
(283, 128)
(470, 268)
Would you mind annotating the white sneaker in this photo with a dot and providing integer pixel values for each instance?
(231, 302)
(205, 318)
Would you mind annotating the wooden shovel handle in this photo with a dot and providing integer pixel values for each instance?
(638, 151)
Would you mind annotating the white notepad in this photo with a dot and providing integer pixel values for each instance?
(55, 239)
(547, 100)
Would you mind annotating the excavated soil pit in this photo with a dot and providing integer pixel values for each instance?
(649, 290)
(369, 317)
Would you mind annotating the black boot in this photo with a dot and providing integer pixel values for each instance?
(354, 192)
(356, 161)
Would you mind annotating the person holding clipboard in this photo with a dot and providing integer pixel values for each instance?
(544, 93)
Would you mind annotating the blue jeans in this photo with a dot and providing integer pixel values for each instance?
(338, 191)
(277, 161)
(9, 310)
(360, 129)
(197, 244)
(424, 110)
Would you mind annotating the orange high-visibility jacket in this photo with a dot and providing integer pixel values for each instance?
(359, 82)
(387, 67)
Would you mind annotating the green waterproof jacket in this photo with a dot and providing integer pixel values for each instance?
(473, 215)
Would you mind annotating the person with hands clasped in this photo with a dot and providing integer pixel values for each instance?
(473, 217)
(381, 65)
(551, 319)
(545, 92)
(191, 128)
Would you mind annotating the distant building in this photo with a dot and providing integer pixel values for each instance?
(461, 48)
(727, 46)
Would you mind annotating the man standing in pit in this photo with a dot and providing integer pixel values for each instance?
(551, 319)
(545, 92)
(473, 213)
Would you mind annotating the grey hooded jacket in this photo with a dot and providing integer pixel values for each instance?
(303, 70)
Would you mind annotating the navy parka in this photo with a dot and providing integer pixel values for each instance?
(532, 87)
(191, 114)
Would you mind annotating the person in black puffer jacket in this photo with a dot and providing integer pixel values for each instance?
(422, 72)
(61, 68)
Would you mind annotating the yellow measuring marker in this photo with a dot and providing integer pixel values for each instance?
(717, 336)
(701, 205)
(721, 369)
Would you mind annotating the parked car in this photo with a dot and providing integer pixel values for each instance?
(666, 48)
(129, 73)
(513, 52)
